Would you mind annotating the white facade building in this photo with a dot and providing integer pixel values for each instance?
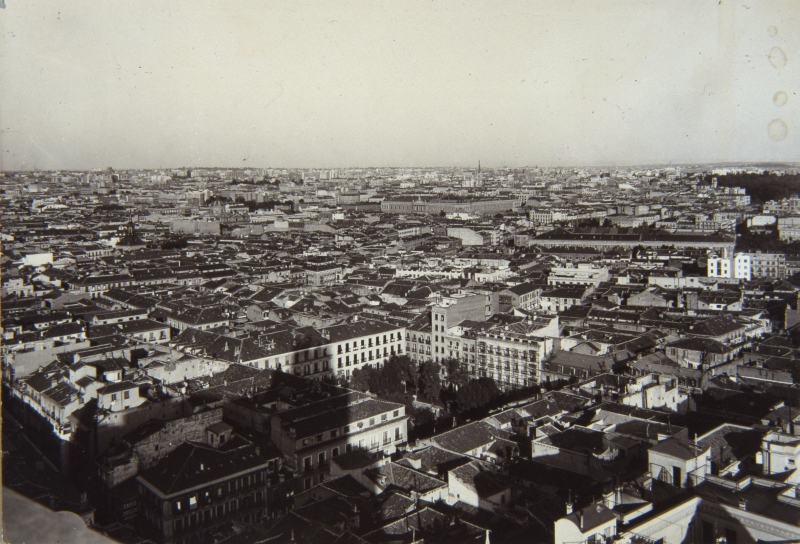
(739, 267)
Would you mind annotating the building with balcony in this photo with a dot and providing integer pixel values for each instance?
(512, 355)
(363, 342)
(201, 487)
(310, 436)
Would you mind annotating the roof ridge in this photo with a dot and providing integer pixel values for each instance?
(183, 465)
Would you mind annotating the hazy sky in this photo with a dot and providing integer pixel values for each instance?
(402, 83)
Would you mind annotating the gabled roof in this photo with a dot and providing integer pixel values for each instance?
(680, 448)
(194, 464)
(469, 437)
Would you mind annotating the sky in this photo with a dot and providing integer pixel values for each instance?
(131, 84)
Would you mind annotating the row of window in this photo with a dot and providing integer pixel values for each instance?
(365, 344)
(366, 357)
(375, 442)
(334, 433)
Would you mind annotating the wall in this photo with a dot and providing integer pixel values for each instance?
(29, 362)
(118, 424)
(193, 368)
(194, 226)
(153, 448)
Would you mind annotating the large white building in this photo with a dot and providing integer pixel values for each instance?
(583, 274)
(738, 267)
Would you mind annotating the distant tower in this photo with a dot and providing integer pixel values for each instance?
(480, 176)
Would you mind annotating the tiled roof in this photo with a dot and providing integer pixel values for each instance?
(193, 464)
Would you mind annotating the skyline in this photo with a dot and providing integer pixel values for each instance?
(412, 85)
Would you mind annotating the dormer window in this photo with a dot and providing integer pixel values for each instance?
(219, 433)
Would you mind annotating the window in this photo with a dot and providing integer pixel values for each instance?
(319, 438)
(307, 484)
(127, 395)
(321, 459)
(334, 433)
(334, 452)
(307, 463)
(192, 502)
(384, 417)
(113, 397)
(396, 413)
(347, 428)
(372, 421)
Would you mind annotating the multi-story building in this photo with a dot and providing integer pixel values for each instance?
(310, 436)
(363, 342)
(767, 265)
(789, 228)
(450, 312)
(787, 206)
(418, 340)
(323, 274)
(583, 274)
(512, 355)
(200, 318)
(524, 296)
(738, 267)
(199, 488)
(477, 207)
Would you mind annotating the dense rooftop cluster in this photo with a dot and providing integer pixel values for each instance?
(403, 355)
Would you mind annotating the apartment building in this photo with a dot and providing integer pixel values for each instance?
(200, 488)
(363, 342)
(512, 355)
(450, 312)
(310, 436)
(584, 274)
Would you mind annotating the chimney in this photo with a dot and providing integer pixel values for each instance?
(742, 503)
(569, 508)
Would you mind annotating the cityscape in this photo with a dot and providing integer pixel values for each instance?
(450, 272)
(405, 355)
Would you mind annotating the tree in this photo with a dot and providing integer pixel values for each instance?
(476, 393)
(457, 375)
(430, 381)
(360, 379)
